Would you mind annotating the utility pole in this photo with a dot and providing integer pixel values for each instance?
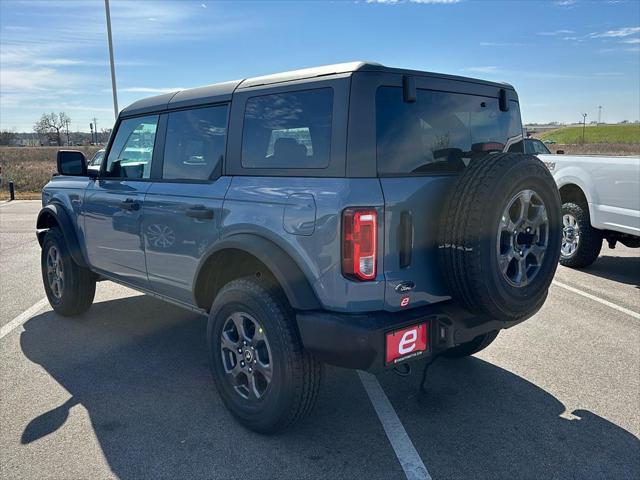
(66, 123)
(599, 114)
(113, 68)
(95, 126)
(584, 125)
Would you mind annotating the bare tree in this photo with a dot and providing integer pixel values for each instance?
(52, 125)
(105, 133)
(7, 137)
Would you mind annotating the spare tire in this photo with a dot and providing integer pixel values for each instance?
(500, 235)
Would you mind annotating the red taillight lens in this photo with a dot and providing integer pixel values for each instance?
(359, 243)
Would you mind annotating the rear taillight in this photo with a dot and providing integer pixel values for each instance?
(359, 243)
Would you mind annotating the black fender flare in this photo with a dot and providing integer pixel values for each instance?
(286, 271)
(55, 214)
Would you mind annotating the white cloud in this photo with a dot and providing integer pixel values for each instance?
(149, 89)
(621, 32)
(34, 79)
(485, 69)
(632, 41)
(565, 3)
(503, 44)
(57, 61)
(555, 32)
(617, 49)
(424, 2)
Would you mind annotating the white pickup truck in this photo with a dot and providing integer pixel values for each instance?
(600, 200)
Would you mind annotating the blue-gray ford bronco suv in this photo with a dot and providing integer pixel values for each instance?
(352, 214)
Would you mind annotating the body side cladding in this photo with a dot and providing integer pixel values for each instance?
(55, 215)
(287, 273)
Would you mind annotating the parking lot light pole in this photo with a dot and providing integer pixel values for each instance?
(113, 68)
(584, 125)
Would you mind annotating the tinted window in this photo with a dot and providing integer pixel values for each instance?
(132, 149)
(195, 143)
(519, 147)
(540, 147)
(288, 130)
(97, 159)
(440, 131)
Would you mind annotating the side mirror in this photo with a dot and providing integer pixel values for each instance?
(71, 162)
(560, 152)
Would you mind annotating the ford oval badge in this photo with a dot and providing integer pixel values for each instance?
(404, 287)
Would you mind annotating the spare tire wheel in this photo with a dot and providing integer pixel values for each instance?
(500, 235)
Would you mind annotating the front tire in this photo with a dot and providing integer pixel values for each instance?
(581, 243)
(265, 377)
(70, 288)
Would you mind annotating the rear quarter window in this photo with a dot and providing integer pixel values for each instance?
(440, 131)
(288, 130)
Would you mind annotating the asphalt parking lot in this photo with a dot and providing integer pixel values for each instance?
(124, 391)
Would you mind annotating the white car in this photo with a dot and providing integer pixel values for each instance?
(600, 200)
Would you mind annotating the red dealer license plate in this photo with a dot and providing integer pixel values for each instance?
(407, 343)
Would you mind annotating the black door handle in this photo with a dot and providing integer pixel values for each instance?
(200, 211)
(130, 204)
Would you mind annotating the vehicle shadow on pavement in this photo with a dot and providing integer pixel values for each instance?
(477, 420)
(619, 269)
(139, 367)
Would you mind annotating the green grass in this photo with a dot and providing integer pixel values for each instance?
(595, 134)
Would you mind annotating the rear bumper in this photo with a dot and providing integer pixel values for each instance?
(358, 340)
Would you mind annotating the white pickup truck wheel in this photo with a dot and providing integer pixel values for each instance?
(581, 243)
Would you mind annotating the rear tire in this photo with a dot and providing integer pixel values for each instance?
(251, 322)
(581, 243)
(499, 236)
(474, 346)
(70, 288)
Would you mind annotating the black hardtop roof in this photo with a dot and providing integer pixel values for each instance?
(221, 92)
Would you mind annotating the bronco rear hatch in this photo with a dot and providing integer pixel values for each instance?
(420, 146)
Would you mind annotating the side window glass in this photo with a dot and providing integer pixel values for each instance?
(529, 148)
(132, 149)
(195, 143)
(540, 147)
(288, 130)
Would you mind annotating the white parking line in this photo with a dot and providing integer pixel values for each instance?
(23, 317)
(597, 299)
(407, 454)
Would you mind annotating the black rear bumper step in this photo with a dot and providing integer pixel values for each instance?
(358, 340)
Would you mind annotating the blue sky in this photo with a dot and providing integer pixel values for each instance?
(565, 57)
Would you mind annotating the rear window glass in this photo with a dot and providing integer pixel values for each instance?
(440, 131)
(195, 143)
(288, 130)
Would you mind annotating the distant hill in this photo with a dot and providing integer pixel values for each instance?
(602, 134)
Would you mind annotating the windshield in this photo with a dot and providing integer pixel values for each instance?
(440, 131)
(97, 158)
